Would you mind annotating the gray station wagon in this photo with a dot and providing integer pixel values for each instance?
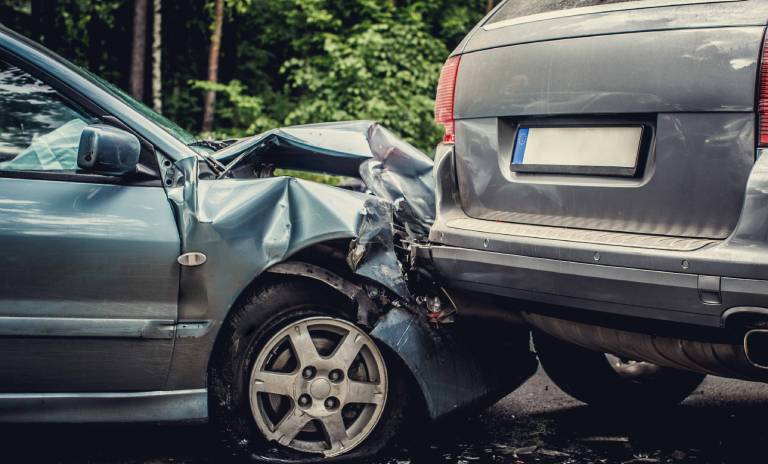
(604, 179)
(146, 276)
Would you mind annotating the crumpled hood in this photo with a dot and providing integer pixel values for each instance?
(403, 175)
(390, 167)
(336, 148)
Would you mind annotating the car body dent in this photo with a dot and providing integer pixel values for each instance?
(391, 168)
(248, 226)
(450, 373)
(401, 174)
(244, 226)
(336, 148)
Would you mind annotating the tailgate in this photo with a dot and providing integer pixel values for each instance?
(652, 111)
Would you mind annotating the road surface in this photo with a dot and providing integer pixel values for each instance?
(725, 421)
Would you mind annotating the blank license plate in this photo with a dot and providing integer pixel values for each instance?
(595, 150)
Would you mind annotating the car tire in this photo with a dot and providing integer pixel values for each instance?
(592, 378)
(241, 415)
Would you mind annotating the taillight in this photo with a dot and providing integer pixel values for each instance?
(762, 99)
(446, 91)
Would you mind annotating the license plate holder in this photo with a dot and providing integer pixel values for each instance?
(584, 150)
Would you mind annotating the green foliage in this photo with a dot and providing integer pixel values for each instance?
(384, 68)
(245, 114)
(238, 6)
(282, 61)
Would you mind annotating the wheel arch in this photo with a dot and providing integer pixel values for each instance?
(189, 366)
(442, 372)
(325, 270)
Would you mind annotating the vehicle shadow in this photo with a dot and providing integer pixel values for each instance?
(106, 443)
(722, 432)
(726, 432)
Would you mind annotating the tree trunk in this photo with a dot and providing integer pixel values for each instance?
(157, 56)
(138, 49)
(489, 6)
(213, 65)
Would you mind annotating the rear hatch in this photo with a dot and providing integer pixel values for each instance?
(631, 117)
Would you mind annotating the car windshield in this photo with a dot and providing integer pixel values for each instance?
(168, 125)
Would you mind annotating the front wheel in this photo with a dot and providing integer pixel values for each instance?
(603, 380)
(292, 379)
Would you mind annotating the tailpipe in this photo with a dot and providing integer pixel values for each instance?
(745, 356)
(756, 347)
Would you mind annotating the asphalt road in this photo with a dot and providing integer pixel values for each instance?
(725, 421)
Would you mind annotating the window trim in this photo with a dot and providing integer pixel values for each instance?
(73, 97)
(80, 177)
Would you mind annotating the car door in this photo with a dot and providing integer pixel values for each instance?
(88, 272)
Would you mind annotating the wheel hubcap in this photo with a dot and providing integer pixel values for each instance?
(320, 389)
(319, 385)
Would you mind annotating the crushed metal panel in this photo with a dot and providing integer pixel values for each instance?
(244, 226)
(391, 168)
(401, 174)
(372, 254)
(336, 148)
(367, 310)
(458, 365)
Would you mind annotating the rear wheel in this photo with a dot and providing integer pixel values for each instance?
(604, 380)
(293, 379)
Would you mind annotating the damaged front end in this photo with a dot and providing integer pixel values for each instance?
(247, 223)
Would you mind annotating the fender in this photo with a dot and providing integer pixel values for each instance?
(453, 366)
(366, 309)
(460, 365)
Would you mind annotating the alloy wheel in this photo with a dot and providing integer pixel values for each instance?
(319, 385)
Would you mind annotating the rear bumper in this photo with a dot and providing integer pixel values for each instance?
(695, 285)
(639, 293)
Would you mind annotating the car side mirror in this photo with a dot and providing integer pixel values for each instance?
(108, 150)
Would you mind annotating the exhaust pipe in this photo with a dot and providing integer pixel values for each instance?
(756, 347)
(746, 357)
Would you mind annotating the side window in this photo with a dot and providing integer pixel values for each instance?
(39, 130)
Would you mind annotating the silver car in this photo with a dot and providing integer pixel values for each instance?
(604, 178)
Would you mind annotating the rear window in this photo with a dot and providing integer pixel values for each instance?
(514, 9)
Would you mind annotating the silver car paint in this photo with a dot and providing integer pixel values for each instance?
(80, 250)
(689, 72)
(622, 20)
(702, 130)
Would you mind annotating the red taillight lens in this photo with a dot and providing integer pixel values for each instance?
(762, 99)
(446, 91)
